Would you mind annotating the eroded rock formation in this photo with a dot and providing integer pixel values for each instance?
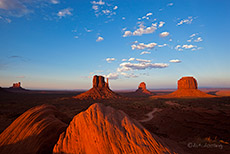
(35, 131)
(187, 87)
(17, 85)
(142, 90)
(100, 90)
(104, 130)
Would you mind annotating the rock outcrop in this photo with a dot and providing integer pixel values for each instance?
(187, 87)
(35, 131)
(142, 90)
(100, 90)
(104, 130)
(17, 85)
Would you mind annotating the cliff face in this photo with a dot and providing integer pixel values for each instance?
(187, 83)
(100, 90)
(35, 131)
(142, 90)
(104, 130)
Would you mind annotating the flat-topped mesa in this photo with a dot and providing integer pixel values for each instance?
(142, 89)
(187, 83)
(100, 90)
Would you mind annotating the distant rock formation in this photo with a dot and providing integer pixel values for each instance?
(187, 87)
(17, 85)
(104, 130)
(100, 90)
(142, 90)
(35, 131)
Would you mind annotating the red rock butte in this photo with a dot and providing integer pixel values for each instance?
(104, 130)
(186, 87)
(17, 85)
(142, 90)
(35, 131)
(100, 90)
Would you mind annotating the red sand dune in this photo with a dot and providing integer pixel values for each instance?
(100, 90)
(142, 90)
(105, 130)
(186, 87)
(35, 131)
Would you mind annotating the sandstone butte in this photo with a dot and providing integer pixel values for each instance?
(104, 130)
(35, 131)
(186, 88)
(142, 90)
(100, 90)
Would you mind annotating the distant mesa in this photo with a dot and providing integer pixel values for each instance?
(142, 90)
(186, 87)
(17, 87)
(104, 130)
(35, 131)
(100, 90)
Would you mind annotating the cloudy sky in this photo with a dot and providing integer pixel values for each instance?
(61, 44)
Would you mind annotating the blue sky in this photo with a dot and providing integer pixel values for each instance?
(60, 44)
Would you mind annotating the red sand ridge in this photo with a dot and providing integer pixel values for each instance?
(35, 131)
(104, 130)
(187, 87)
(142, 89)
(100, 90)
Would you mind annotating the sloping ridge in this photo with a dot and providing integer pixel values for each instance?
(35, 131)
(142, 90)
(104, 130)
(189, 93)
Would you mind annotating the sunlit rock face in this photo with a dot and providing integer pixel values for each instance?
(142, 89)
(16, 85)
(187, 83)
(104, 130)
(35, 131)
(100, 90)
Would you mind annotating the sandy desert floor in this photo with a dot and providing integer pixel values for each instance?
(197, 125)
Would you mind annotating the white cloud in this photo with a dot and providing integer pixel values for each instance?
(98, 3)
(99, 39)
(175, 61)
(95, 7)
(142, 30)
(124, 60)
(160, 46)
(199, 39)
(127, 66)
(177, 47)
(187, 21)
(76, 37)
(149, 14)
(170, 4)
(142, 46)
(135, 42)
(193, 35)
(127, 33)
(189, 40)
(188, 46)
(106, 11)
(161, 24)
(128, 75)
(143, 60)
(131, 59)
(87, 30)
(164, 34)
(123, 18)
(145, 52)
(112, 76)
(115, 7)
(109, 60)
(54, 1)
(65, 12)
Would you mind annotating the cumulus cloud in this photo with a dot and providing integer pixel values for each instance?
(115, 7)
(124, 60)
(160, 46)
(109, 60)
(142, 46)
(185, 21)
(127, 33)
(193, 35)
(142, 30)
(54, 1)
(143, 60)
(186, 46)
(170, 4)
(99, 39)
(164, 34)
(65, 12)
(161, 24)
(149, 14)
(145, 52)
(100, 2)
(131, 59)
(127, 66)
(112, 76)
(95, 7)
(128, 75)
(199, 39)
(175, 61)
